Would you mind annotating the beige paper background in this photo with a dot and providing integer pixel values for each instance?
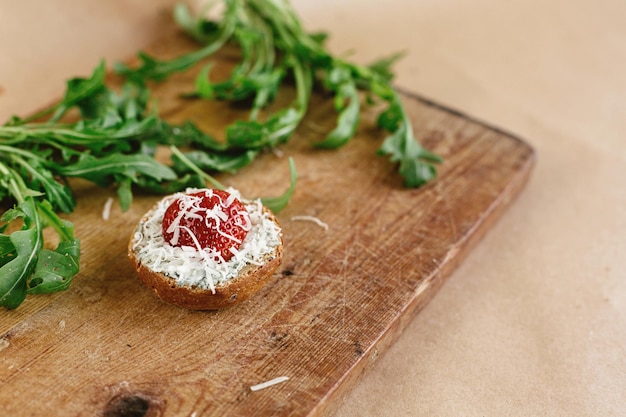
(534, 322)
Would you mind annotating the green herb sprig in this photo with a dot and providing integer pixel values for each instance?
(275, 47)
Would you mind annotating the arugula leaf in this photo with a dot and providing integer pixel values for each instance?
(13, 285)
(341, 83)
(189, 23)
(55, 270)
(27, 243)
(213, 161)
(24, 265)
(416, 164)
(41, 177)
(124, 191)
(188, 134)
(382, 66)
(101, 171)
(348, 119)
(7, 249)
(77, 89)
(278, 203)
(392, 117)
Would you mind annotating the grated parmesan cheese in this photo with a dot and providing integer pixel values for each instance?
(269, 383)
(277, 152)
(106, 210)
(313, 219)
(199, 268)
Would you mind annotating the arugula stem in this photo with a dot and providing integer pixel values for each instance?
(195, 168)
(27, 167)
(39, 114)
(68, 135)
(12, 182)
(63, 229)
(161, 70)
(8, 150)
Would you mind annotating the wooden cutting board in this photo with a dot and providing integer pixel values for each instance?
(108, 347)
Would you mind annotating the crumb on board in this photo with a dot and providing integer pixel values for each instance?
(269, 383)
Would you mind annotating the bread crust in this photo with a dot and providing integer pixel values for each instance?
(249, 281)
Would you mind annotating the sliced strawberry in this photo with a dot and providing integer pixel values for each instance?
(211, 219)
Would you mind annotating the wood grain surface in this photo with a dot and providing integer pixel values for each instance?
(340, 298)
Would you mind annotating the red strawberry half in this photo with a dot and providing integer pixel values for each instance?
(209, 219)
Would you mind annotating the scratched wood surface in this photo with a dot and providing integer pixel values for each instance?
(341, 297)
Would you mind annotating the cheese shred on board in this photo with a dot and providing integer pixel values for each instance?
(106, 209)
(313, 219)
(269, 383)
(202, 268)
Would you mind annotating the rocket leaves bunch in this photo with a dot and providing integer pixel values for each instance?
(276, 48)
(112, 142)
(38, 154)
